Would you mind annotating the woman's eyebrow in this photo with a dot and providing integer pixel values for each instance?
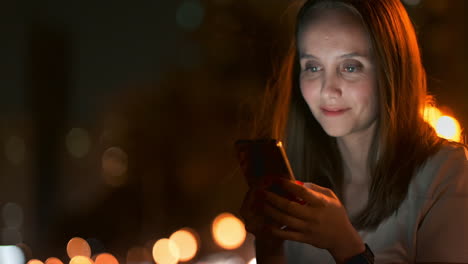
(347, 55)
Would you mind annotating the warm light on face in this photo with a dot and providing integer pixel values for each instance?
(186, 242)
(81, 260)
(228, 231)
(78, 247)
(448, 127)
(165, 251)
(106, 258)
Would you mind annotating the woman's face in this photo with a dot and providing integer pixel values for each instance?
(338, 75)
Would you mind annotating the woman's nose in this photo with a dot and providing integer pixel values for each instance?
(331, 87)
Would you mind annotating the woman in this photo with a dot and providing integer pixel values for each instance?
(379, 182)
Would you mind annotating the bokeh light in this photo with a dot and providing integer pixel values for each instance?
(431, 115)
(78, 247)
(187, 242)
(35, 261)
(253, 261)
(81, 260)
(11, 255)
(190, 15)
(53, 260)
(165, 251)
(78, 142)
(449, 128)
(228, 231)
(114, 166)
(15, 150)
(106, 258)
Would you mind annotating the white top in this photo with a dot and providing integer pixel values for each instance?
(431, 224)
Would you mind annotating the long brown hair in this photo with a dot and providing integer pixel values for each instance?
(403, 140)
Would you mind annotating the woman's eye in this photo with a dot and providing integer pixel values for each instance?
(351, 68)
(312, 68)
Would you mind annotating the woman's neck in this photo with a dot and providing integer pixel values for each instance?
(354, 151)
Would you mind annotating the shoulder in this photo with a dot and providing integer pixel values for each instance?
(445, 171)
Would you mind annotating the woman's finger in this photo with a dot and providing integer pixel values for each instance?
(284, 219)
(310, 196)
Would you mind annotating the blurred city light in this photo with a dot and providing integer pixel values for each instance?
(228, 231)
(78, 142)
(187, 243)
(15, 150)
(81, 260)
(448, 128)
(165, 251)
(53, 260)
(190, 15)
(11, 255)
(78, 247)
(114, 166)
(35, 261)
(106, 258)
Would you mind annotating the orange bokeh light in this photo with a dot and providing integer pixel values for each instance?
(81, 260)
(165, 251)
(53, 261)
(187, 242)
(106, 258)
(228, 231)
(35, 261)
(431, 115)
(77, 246)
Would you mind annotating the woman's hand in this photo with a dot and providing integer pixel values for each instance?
(321, 222)
(269, 249)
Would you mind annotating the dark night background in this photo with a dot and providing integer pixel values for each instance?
(165, 84)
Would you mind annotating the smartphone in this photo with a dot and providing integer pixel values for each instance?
(263, 158)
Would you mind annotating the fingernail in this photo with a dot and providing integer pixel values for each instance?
(299, 183)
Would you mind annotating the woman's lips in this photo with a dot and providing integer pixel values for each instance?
(333, 112)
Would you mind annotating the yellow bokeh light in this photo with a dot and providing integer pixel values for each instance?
(431, 115)
(106, 258)
(165, 251)
(228, 231)
(35, 261)
(187, 243)
(81, 260)
(77, 246)
(53, 260)
(449, 128)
